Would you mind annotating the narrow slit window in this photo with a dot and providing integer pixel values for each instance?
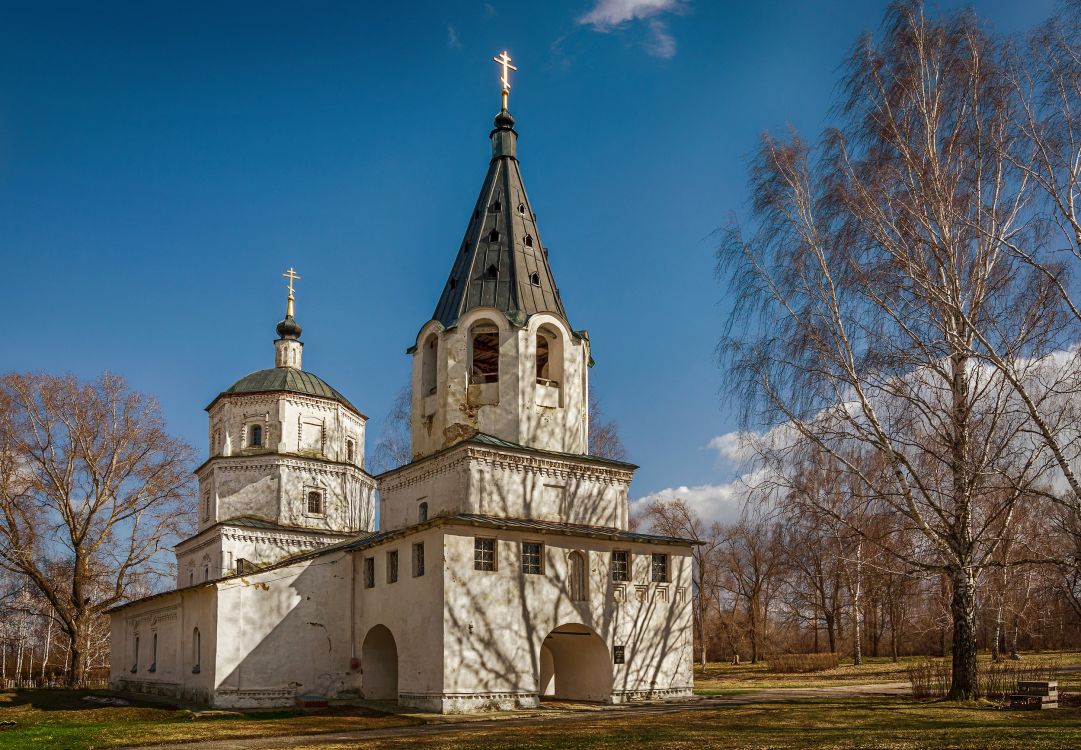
(492, 272)
(369, 572)
(418, 559)
(528, 241)
(521, 209)
(493, 236)
(350, 451)
(496, 207)
(392, 566)
(196, 651)
(422, 513)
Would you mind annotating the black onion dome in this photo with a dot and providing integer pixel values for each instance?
(504, 120)
(289, 328)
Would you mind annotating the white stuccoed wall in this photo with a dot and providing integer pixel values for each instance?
(496, 622)
(472, 478)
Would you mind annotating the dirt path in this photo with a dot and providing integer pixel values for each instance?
(448, 725)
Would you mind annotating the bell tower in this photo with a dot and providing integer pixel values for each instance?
(499, 355)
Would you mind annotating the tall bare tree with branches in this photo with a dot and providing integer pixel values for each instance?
(875, 276)
(92, 490)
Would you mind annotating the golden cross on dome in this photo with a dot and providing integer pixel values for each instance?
(292, 276)
(504, 60)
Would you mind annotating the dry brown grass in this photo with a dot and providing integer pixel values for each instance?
(722, 677)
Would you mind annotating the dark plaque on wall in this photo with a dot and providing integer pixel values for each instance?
(617, 654)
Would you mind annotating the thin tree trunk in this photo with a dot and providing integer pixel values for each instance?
(965, 683)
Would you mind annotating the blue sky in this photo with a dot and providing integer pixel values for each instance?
(162, 163)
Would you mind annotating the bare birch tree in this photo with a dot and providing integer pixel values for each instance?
(674, 518)
(875, 276)
(92, 490)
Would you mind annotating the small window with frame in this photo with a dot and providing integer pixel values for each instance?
(533, 558)
(314, 504)
(621, 565)
(255, 436)
(659, 568)
(484, 554)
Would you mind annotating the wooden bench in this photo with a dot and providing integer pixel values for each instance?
(1035, 695)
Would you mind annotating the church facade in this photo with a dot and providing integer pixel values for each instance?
(502, 570)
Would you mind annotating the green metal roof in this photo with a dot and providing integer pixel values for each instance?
(288, 379)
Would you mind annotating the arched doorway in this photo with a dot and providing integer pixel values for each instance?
(379, 665)
(575, 665)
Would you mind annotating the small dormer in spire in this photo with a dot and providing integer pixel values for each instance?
(288, 348)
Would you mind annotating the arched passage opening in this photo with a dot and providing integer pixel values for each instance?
(575, 665)
(379, 665)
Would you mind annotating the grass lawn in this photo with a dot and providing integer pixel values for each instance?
(60, 720)
(887, 724)
(724, 678)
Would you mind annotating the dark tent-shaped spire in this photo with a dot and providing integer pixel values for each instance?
(501, 262)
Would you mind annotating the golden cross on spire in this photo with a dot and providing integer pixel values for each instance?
(504, 60)
(292, 276)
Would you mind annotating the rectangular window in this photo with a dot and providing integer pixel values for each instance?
(621, 565)
(619, 654)
(532, 558)
(484, 554)
(659, 568)
(418, 559)
(369, 572)
(315, 502)
(392, 566)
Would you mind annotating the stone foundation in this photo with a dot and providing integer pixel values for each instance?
(658, 694)
(466, 703)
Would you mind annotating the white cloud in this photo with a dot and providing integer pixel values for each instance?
(722, 503)
(608, 14)
(731, 446)
(453, 42)
(661, 43)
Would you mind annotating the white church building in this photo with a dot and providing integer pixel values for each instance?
(502, 570)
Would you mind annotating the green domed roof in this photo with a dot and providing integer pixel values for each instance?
(291, 380)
